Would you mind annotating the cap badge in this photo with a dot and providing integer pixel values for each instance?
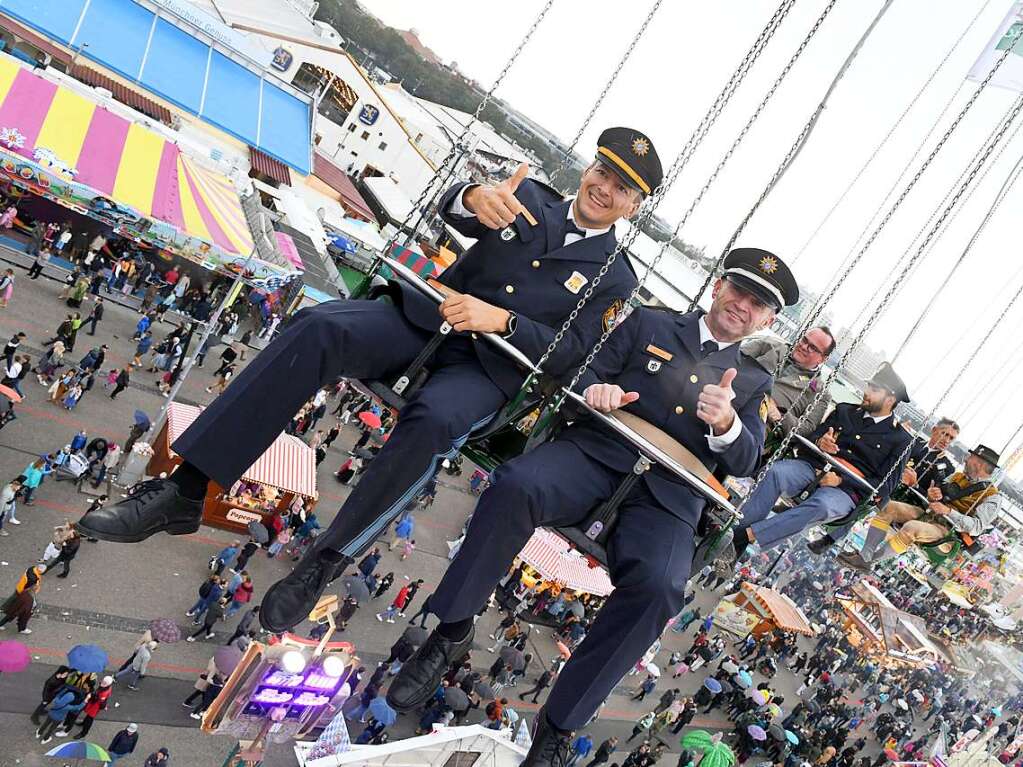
(640, 147)
(769, 264)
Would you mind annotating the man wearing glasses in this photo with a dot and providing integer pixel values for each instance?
(798, 382)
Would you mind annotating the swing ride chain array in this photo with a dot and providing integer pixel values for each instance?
(894, 287)
(607, 87)
(707, 184)
(459, 147)
(891, 131)
(695, 138)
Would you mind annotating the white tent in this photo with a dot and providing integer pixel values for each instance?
(493, 747)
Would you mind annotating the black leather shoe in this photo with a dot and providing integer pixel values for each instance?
(155, 506)
(821, 545)
(853, 560)
(420, 675)
(550, 747)
(292, 598)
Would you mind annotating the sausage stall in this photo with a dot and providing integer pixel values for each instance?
(285, 473)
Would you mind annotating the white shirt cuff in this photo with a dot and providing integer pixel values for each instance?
(457, 208)
(720, 443)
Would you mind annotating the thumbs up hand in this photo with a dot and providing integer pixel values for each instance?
(608, 397)
(933, 493)
(714, 405)
(829, 442)
(496, 206)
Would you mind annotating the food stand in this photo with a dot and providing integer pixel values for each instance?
(553, 559)
(284, 473)
(759, 610)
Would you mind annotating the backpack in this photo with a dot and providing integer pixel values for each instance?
(207, 586)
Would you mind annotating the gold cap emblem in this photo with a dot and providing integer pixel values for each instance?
(768, 264)
(640, 146)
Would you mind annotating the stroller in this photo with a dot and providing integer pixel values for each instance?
(75, 468)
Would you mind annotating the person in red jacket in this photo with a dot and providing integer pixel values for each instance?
(242, 595)
(397, 606)
(97, 702)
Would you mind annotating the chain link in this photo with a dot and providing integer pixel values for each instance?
(695, 138)
(459, 148)
(893, 288)
(603, 94)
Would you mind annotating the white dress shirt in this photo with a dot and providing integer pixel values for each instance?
(718, 443)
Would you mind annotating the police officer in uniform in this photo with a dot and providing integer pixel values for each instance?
(682, 373)
(518, 280)
(867, 436)
(928, 463)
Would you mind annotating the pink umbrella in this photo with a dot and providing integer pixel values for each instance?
(371, 419)
(14, 657)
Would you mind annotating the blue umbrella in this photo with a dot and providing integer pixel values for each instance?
(142, 419)
(87, 658)
(712, 684)
(379, 710)
(744, 680)
(791, 737)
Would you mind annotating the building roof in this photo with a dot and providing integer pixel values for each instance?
(783, 611)
(269, 166)
(339, 181)
(122, 93)
(412, 39)
(38, 41)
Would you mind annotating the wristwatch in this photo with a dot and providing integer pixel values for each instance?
(513, 321)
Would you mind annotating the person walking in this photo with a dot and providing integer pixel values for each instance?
(250, 548)
(121, 382)
(33, 477)
(646, 688)
(95, 315)
(7, 501)
(42, 255)
(226, 556)
(124, 743)
(6, 287)
(642, 725)
(68, 551)
(384, 584)
(213, 689)
(209, 591)
(67, 701)
(139, 664)
(241, 596)
(51, 687)
(542, 683)
(604, 751)
(245, 624)
(160, 758)
(18, 607)
(397, 606)
(94, 704)
(581, 748)
(214, 613)
(369, 563)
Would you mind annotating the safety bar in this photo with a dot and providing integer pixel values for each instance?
(651, 451)
(920, 496)
(835, 464)
(421, 285)
(655, 454)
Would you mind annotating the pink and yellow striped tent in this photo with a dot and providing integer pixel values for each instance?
(78, 139)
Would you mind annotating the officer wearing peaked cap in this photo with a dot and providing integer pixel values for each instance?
(534, 257)
(866, 436)
(681, 374)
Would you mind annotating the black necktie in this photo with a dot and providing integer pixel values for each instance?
(571, 228)
(708, 347)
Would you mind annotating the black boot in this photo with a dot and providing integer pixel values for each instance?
(821, 545)
(550, 746)
(290, 600)
(420, 675)
(156, 506)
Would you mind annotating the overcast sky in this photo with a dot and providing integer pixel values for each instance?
(674, 74)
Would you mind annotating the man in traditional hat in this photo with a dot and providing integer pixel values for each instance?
(866, 436)
(681, 373)
(519, 280)
(967, 503)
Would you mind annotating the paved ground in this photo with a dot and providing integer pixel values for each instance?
(115, 590)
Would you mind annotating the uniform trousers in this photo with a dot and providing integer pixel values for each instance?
(351, 339)
(789, 478)
(650, 554)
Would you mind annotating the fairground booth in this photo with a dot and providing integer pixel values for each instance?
(760, 610)
(873, 624)
(284, 473)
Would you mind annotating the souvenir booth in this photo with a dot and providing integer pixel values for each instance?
(284, 473)
(760, 610)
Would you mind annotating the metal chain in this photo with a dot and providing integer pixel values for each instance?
(893, 288)
(707, 184)
(887, 137)
(459, 147)
(607, 87)
(694, 140)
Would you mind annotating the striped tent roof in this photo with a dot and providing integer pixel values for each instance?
(785, 613)
(550, 554)
(119, 158)
(288, 464)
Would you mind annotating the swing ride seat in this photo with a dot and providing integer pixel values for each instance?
(946, 548)
(502, 440)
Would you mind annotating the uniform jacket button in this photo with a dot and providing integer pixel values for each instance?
(693, 379)
(509, 288)
(679, 410)
(535, 264)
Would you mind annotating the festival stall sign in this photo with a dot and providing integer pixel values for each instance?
(286, 471)
(759, 610)
(66, 148)
(552, 556)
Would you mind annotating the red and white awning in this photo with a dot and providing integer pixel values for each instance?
(288, 464)
(556, 560)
